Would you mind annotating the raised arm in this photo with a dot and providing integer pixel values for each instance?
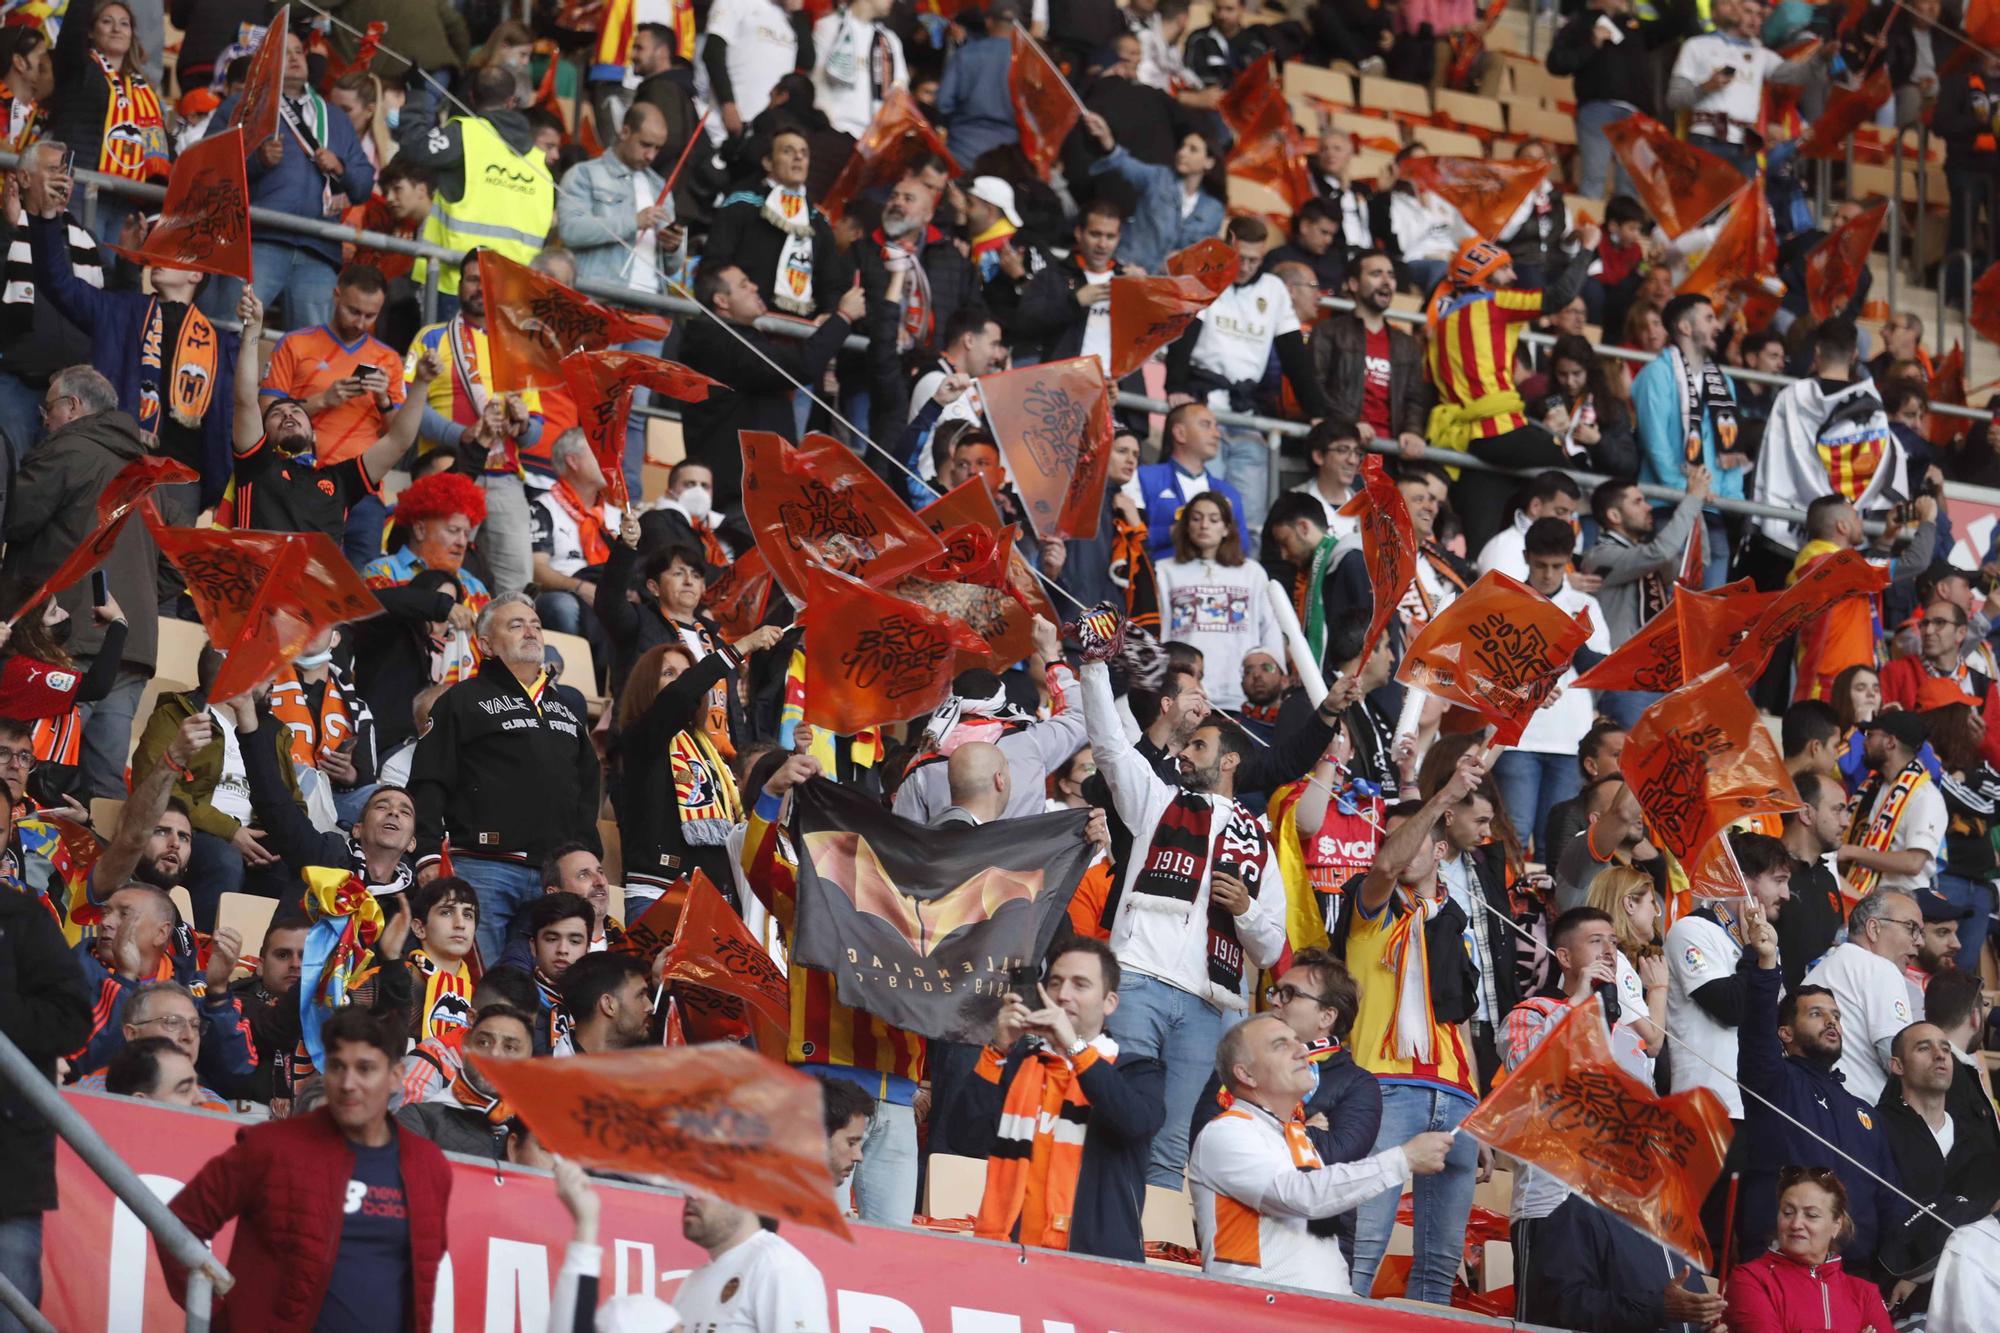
(1134, 785)
(384, 453)
(1407, 839)
(143, 810)
(248, 427)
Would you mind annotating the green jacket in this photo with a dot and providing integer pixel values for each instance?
(196, 785)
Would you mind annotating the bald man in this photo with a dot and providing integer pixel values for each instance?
(608, 214)
(980, 784)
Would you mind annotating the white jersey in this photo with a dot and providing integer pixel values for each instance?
(1921, 828)
(1874, 1006)
(1252, 1200)
(1700, 951)
(1742, 98)
(763, 1285)
(1097, 325)
(1559, 727)
(1237, 330)
(762, 48)
(853, 63)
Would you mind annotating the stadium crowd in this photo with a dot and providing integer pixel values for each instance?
(1319, 926)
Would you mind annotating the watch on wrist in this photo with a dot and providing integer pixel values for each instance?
(1077, 1047)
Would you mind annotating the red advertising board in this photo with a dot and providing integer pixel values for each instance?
(508, 1234)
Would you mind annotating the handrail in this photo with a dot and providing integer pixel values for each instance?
(206, 1274)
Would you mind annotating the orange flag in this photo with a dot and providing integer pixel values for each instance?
(1485, 191)
(1985, 304)
(263, 595)
(1679, 183)
(970, 583)
(1045, 108)
(1693, 568)
(1834, 266)
(1649, 660)
(649, 935)
(1846, 109)
(1254, 105)
(719, 1120)
(1053, 424)
(1149, 313)
(205, 222)
(257, 109)
(873, 658)
(1744, 254)
(970, 502)
(1388, 545)
(1276, 162)
(364, 55)
(713, 951)
(1699, 760)
(1947, 385)
(1748, 632)
(736, 602)
(1498, 649)
(1572, 1110)
(127, 487)
(601, 384)
(533, 322)
(893, 142)
(820, 503)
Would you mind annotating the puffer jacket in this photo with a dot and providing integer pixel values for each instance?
(1776, 1294)
(285, 1184)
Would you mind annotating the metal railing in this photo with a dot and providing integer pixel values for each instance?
(207, 1278)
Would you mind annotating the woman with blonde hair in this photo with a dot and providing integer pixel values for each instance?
(1629, 898)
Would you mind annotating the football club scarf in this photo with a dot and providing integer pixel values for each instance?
(561, 1023)
(591, 534)
(1704, 391)
(1177, 868)
(1132, 573)
(792, 285)
(1037, 1154)
(445, 1009)
(704, 793)
(1411, 1020)
(191, 386)
(1875, 827)
(135, 132)
(1310, 603)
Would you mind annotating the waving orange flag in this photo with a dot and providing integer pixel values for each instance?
(205, 222)
(1278, 163)
(970, 583)
(1149, 313)
(1485, 191)
(1846, 110)
(1744, 253)
(128, 486)
(1498, 649)
(1834, 266)
(1947, 385)
(533, 322)
(256, 111)
(1679, 183)
(601, 384)
(1699, 760)
(718, 1119)
(820, 503)
(715, 952)
(970, 502)
(873, 658)
(1572, 1110)
(1254, 106)
(1388, 546)
(737, 600)
(1045, 109)
(1053, 423)
(1649, 660)
(1745, 633)
(1985, 304)
(894, 141)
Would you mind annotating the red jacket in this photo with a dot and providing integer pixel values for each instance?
(1906, 682)
(285, 1184)
(1775, 1294)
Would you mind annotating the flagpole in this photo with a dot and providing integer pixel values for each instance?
(1061, 78)
(675, 175)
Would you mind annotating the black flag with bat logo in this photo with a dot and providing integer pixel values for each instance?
(921, 925)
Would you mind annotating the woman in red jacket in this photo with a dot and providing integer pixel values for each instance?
(1797, 1286)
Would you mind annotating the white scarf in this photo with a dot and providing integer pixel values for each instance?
(792, 285)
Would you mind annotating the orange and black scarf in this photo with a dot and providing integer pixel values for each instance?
(1132, 571)
(591, 533)
(192, 383)
(135, 131)
(1032, 1171)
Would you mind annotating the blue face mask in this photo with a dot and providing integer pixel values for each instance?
(395, 115)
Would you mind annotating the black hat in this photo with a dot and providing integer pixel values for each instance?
(1938, 909)
(1906, 727)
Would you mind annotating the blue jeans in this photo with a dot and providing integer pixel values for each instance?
(350, 803)
(300, 279)
(20, 415)
(1595, 161)
(107, 732)
(1624, 706)
(1426, 274)
(561, 611)
(506, 889)
(21, 1263)
(361, 541)
(1972, 932)
(1443, 1201)
(885, 1184)
(1530, 783)
(635, 431)
(1741, 156)
(1246, 462)
(1168, 1024)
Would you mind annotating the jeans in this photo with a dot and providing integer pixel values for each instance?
(506, 538)
(505, 889)
(20, 415)
(1972, 932)
(299, 279)
(1739, 155)
(1624, 706)
(1531, 783)
(1594, 158)
(1426, 274)
(361, 540)
(560, 611)
(1246, 462)
(1168, 1024)
(107, 732)
(21, 1263)
(1443, 1201)
(1715, 566)
(635, 430)
(885, 1184)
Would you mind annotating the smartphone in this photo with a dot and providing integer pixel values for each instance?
(1726, 72)
(1607, 991)
(68, 167)
(1025, 982)
(100, 588)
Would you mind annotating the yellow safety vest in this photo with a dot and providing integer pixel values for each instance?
(508, 206)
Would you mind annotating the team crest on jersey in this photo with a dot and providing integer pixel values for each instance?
(730, 1288)
(1867, 1121)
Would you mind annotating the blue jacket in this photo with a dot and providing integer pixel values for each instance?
(295, 186)
(227, 1059)
(1161, 495)
(1818, 1099)
(974, 100)
(1656, 409)
(1156, 228)
(1591, 1271)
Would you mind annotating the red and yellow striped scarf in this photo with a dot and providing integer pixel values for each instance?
(135, 131)
(1032, 1171)
(1875, 828)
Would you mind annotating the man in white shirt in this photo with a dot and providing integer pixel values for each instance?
(1865, 975)
(1257, 1183)
(570, 529)
(1900, 815)
(856, 62)
(749, 45)
(755, 1281)
(1549, 494)
(1719, 80)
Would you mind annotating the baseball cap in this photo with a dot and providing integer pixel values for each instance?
(997, 193)
(1906, 727)
(1937, 908)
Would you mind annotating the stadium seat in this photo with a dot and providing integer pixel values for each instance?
(1168, 1216)
(1301, 80)
(1442, 142)
(1369, 127)
(250, 914)
(1395, 95)
(1468, 109)
(579, 668)
(1556, 126)
(104, 813)
(181, 642)
(1532, 78)
(1248, 196)
(953, 1186)
(182, 902)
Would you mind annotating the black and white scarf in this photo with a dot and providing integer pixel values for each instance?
(1179, 863)
(1704, 391)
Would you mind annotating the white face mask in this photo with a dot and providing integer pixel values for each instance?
(696, 501)
(311, 660)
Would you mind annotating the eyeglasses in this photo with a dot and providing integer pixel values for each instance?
(1929, 622)
(177, 1023)
(17, 758)
(50, 405)
(1916, 928)
(1283, 994)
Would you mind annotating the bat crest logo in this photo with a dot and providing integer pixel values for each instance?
(850, 863)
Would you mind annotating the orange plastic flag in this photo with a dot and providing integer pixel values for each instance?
(256, 110)
(1985, 304)
(1649, 660)
(873, 658)
(601, 384)
(1846, 110)
(1699, 760)
(364, 55)
(1276, 162)
(1388, 544)
(649, 935)
(1498, 649)
(1053, 424)
(895, 140)
(205, 222)
(736, 602)
(714, 951)
(1834, 266)
(533, 322)
(1045, 108)
(1947, 385)
(263, 595)
(127, 487)
(819, 502)
(1679, 183)
(1711, 624)
(1485, 191)
(1749, 632)
(1572, 1110)
(1149, 313)
(970, 584)
(719, 1120)
(1254, 105)
(1744, 254)
(971, 503)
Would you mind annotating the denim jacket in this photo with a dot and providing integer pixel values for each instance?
(597, 216)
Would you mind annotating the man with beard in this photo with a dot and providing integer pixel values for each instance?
(848, 1110)
(609, 1000)
(1637, 559)
(754, 1278)
(155, 836)
(915, 281)
(466, 1115)
(1264, 682)
(1800, 1111)
(574, 868)
(1812, 920)
(281, 484)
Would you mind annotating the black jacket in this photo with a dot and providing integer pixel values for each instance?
(501, 776)
(288, 830)
(649, 819)
(1339, 348)
(1595, 1274)
(1128, 1104)
(1453, 980)
(392, 655)
(758, 398)
(44, 1010)
(742, 237)
(274, 1030)
(1966, 105)
(1616, 71)
(1961, 1187)
(633, 627)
